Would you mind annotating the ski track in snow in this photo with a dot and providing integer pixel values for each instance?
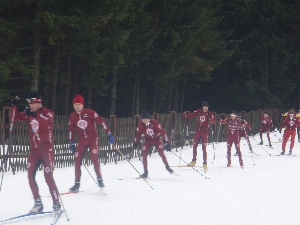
(260, 194)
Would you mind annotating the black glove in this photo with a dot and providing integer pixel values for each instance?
(15, 101)
(29, 112)
(168, 147)
(110, 138)
(72, 147)
(222, 116)
(135, 145)
(185, 113)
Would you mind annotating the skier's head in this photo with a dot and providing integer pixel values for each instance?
(233, 114)
(78, 103)
(291, 113)
(266, 114)
(145, 117)
(34, 100)
(205, 105)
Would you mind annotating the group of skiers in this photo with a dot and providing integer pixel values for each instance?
(83, 122)
(238, 128)
(40, 126)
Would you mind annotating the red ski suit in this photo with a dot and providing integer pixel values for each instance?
(152, 132)
(291, 125)
(266, 124)
(41, 149)
(84, 123)
(233, 136)
(203, 121)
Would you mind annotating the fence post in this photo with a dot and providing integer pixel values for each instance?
(173, 127)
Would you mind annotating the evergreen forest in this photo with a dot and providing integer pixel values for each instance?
(125, 56)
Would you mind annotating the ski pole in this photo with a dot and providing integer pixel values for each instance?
(190, 166)
(248, 142)
(276, 136)
(91, 175)
(115, 147)
(183, 138)
(261, 146)
(216, 143)
(9, 143)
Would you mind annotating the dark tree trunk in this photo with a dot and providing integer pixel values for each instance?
(175, 107)
(137, 103)
(68, 84)
(89, 98)
(182, 96)
(113, 97)
(155, 97)
(55, 77)
(37, 48)
(134, 92)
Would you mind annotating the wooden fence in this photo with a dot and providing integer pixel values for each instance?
(14, 147)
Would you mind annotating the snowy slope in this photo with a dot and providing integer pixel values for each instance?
(261, 194)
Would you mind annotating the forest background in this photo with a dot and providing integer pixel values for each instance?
(124, 56)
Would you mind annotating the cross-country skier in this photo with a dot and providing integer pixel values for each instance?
(266, 126)
(83, 121)
(40, 129)
(204, 118)
(233, 135)
(298, 128)
(290, 123)
(244, 131)
(152, 131)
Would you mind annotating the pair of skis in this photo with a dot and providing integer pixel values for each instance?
(36, 215)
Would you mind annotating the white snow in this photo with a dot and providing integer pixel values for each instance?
(261, 194)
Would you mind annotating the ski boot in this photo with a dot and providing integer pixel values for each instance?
(57, 211)
(192, 163)
(281, 153)
(205, 168)
(261, 143)
(37, 207)
(169, 169)
(251, 151)
(242, 164)
(236, 154)
(290, 152)
(75, 188)
(229, 163)
(270, 145)
(145, 174)
(100, 182)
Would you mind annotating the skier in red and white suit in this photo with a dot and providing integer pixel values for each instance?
(152, 131)
(244, 131)
(83, 121)
(233, 135)
(204, 118)
(40, 126)
(290, 123)
(267, 126)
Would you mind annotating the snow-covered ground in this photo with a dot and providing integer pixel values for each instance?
(266, 191)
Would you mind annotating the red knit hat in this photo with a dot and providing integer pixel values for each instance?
(78, 99)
